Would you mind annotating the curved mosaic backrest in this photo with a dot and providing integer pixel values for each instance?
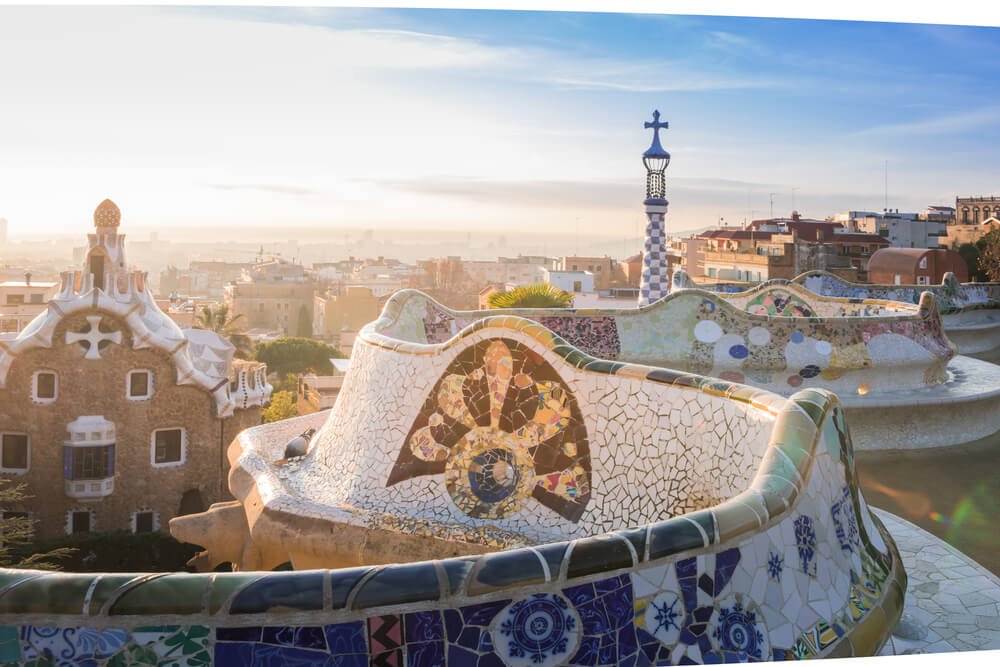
(506, 435)
(952, 296)
(793, 567)
(783, 298)
(702, 332)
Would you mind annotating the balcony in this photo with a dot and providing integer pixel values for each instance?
(90, 489)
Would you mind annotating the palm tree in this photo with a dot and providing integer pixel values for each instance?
(217, 319)
(537, 295)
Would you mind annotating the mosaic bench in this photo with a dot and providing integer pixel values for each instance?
(970, 312)
(503, 498)
(601, 513)
(883, 365)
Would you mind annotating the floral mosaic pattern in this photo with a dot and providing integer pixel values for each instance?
(540, 630)
(779, 303)
(737, 630)
(502, 427)
(805, 542)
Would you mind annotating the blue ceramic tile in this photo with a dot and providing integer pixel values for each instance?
(265, 655)
(587, 653)
(580, 594)
(612, 584)
(346, 638)
(620, 606)
(489, 660)
(461, 656)
(295, 590)
(306, 636)
(247, 634)
(350, 660)
(399, 584)
(233, 654)
(453, 624)
(482, 614)
(470, 638)
(342, 582)
(725, 563)
(424, 626)
(425, 654)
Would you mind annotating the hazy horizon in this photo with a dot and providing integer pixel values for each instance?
(505, 121)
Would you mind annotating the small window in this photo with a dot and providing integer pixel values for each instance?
(144, 521)
(45, 387)
(81, 521)
(13, 452)
(168, 447)
(923, 262)
(140, 385)
(37, 298)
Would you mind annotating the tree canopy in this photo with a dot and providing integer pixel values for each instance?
(297, 355)
(282, 406)
(17, 531)
(536, 295)
(218, 320)
(989, 254)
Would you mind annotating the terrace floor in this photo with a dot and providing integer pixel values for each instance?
(952, 602)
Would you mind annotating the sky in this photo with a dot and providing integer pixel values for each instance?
(515, 121)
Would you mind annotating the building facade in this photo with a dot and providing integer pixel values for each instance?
(274, 296)
(975, 210)
(348, 311)
(22, 300)
(915, 266)
(786, 247)
(113, 416)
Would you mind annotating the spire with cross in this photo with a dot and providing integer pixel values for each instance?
(655, 282)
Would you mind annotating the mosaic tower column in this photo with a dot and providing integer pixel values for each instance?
(655, 278)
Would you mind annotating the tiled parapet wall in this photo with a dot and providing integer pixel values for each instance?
(783, 298)
(795, 566)
(702, 332)
(952, 296)
(970, 312)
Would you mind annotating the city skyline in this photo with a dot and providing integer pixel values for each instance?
(512, 121)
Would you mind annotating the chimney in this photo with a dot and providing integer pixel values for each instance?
(27, 278)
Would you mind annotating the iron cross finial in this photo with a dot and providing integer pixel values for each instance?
(656, 124)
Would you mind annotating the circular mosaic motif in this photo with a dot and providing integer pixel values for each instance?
(707, 331)
(759, 336)
(489, 473)
(540, 630)
(664, 617)
(740, 630)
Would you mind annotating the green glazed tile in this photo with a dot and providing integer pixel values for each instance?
(10, 644)
(106, 588)
(171, 594)
(55, 593)
(223, 587)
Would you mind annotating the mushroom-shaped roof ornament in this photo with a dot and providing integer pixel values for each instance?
(107, 214)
